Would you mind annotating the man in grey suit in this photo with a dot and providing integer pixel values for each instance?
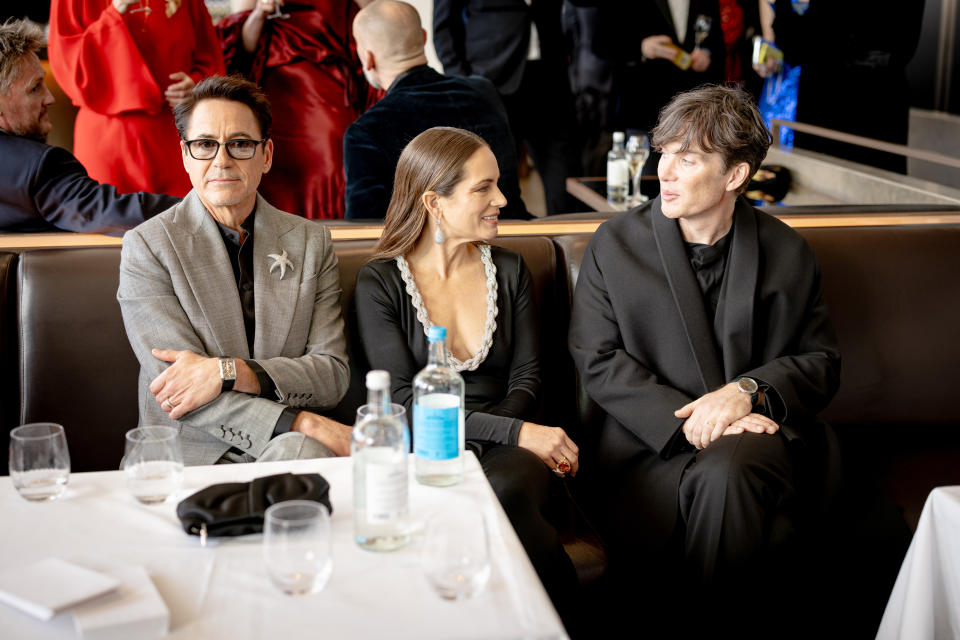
(231, 306)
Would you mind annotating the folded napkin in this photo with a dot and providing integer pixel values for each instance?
(45, 588)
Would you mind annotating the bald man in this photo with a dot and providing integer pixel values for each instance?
(390, 42)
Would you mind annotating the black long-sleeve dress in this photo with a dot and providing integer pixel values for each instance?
(500, 393)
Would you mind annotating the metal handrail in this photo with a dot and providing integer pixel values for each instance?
(861, 141)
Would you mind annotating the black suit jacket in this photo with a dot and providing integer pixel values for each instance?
(44, 188)
(645, 86)
(491, 37)
(644, 345)
(417, 100)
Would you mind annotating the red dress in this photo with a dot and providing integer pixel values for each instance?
(115, 68)
(307, 66)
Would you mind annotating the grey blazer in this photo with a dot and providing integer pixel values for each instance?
(177, 291)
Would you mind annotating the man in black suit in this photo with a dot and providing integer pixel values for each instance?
(699, 327)
(390, 45)
(44, 188)
(518, 45)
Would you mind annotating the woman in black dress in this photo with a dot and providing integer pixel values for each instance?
(433, 266)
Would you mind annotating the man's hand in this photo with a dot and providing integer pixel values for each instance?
(755, 423)
(190, 382)
(709, 416)
(551, 444)
(178, 91)
(656, 47)
(334, 435)
(699, 60)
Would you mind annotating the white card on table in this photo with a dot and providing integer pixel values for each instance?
(45, 588)
(135, 610)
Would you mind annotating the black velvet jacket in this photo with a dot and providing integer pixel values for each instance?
(421, 98)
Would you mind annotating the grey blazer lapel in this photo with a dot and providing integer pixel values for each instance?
(734, 321)
(275, 291)
(688, 298)
(206, 266)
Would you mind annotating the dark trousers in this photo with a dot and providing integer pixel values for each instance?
(522, 483)
(737, 502)
(541, 114)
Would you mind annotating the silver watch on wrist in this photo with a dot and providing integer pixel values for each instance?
(750, 387)
(228, 373)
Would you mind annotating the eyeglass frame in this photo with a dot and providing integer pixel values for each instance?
(226, 145)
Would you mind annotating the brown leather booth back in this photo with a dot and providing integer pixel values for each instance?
(894, 296)
(8, 353)
(76, 366)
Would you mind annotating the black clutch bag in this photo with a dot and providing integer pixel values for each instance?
(237, 508)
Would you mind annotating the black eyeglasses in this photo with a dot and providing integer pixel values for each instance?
(207, 149)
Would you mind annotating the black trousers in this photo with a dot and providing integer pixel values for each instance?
(523, 484)
(737, 507)
(541, 114)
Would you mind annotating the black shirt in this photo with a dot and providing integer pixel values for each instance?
(239, 246)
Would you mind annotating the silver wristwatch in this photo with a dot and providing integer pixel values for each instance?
(749, 386)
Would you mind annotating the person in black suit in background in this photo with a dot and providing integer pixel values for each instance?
(519, 46)
(44, 188)
(390, 46)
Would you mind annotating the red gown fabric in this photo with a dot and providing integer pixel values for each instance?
(115, 68)
(307, 66)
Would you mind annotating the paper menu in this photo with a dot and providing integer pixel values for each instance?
(45, 588)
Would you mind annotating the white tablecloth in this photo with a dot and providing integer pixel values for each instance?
(222, 590)
(925, 602)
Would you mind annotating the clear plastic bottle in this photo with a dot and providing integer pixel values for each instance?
(438, 436)
(380, 477)
(618, 172)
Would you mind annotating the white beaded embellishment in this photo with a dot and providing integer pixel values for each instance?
(489, 326)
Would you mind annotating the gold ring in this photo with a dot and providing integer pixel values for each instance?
(562, 468)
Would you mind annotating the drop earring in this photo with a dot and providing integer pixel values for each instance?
(439, 237)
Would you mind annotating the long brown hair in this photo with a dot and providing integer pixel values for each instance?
(433, 161)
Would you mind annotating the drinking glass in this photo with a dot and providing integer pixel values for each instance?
(638, 150)
(296, 546)
(396, 409)
(153, 463)
(39, 461)
(456, 555)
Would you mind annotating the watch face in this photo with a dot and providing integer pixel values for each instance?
(228, 370)
(747, 385)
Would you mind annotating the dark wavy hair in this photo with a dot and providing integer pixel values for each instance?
(433, 161)
(233, 88)
(717, 119)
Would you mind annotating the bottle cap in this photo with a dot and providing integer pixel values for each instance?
(378, 379)
(436, 334)
(618, 136)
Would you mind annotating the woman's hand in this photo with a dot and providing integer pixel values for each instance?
(122, 5)
(178, 91)
(551, 444)
(253, 25)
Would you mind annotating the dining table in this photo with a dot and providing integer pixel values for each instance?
(925, 601)
(221, 589)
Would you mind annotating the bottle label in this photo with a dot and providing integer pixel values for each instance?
(617, 173)
(386, 492)
(436, 430)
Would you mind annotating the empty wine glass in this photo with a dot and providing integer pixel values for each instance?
(456, 555)
(296, 546)
(638, 150)
(39, 461)
(153, 463)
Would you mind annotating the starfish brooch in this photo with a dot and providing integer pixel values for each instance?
(280, 260)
